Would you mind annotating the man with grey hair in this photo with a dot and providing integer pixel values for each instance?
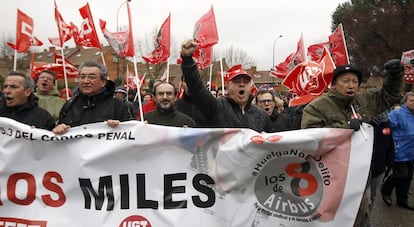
(95, 101)
(20, 104)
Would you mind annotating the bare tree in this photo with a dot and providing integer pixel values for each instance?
(236, 56)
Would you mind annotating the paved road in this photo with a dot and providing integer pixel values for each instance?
(394, 216)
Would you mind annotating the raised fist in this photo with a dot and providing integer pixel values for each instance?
(394, 66)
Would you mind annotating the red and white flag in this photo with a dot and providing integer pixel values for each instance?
(204, 57)
(308, 80)
(161, 52)
(205, 30)
(24, 31)
(407, 59)
(283, 69)
(121, 42)
(64, 30)
(86, 35)
(336, 46)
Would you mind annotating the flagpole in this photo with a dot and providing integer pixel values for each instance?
(64, 74)
(141, 112)
(15, 60)
(210, 75)
(222, 72)
(168, 69)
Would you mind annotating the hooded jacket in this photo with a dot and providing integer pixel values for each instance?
(333, 110)
(29, 113)
(82, 109)
(222, 112)
(51, 102)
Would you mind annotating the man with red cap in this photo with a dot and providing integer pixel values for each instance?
(233, 111)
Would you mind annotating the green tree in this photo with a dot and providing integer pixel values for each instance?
(375, 31)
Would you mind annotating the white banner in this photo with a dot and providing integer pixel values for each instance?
(146, 175)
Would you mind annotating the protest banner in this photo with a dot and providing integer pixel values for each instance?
(147, 175)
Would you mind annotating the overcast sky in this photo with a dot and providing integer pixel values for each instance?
(249, 25)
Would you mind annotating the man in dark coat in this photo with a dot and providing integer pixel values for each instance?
(233, 111)
(166, 113)
(95, 101)
(19, 102)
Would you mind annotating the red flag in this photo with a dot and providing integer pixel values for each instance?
(205, 30)
(63, 29)
(121, 42)
(283, 69)
(24, 30)
(161, 44)
(87, 35)
(407, 59)
(204, 57)
(315, 51)
(309, 80)
(37, 67)
(336, 46)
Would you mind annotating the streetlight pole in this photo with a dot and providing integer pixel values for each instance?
(274, 45)
(117, 30)
(273, 61)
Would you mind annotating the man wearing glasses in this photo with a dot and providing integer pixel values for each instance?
(48, 93)
(266, 101)
(95, 101)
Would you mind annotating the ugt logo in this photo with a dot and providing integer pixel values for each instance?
(135, 221)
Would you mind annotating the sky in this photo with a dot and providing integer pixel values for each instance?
(252, 26)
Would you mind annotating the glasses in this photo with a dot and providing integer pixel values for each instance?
(168, 93)
(88, 77)
(265, 101)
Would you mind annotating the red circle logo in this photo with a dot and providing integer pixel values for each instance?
(135, 221)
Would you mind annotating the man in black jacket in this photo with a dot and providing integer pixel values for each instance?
(95, 101)
(19, 102)
(233, 111)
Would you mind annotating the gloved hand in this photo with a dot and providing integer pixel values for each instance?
(394, 66)
(355, 124)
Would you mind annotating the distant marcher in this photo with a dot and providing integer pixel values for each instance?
(266, 101)
(121, 94)
(402, 128)
(48, 94)
(19, 102)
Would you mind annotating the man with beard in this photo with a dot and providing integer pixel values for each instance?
(233, 111)
(166, 113)
(20, 104)
(94, 102)
(266, 101)
(48, 94)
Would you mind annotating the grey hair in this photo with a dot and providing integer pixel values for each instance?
(408, 94)
(103, 71)
(27, 82)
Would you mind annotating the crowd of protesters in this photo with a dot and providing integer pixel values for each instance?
(343, 106)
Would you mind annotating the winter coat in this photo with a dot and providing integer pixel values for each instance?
(169, 117)
(186, 106)
(402, 127)
(279, 122)
(222, 112)
(51, 102)
(82, 109)
(333, 110)
(29, 113)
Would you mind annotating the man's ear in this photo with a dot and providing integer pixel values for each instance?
(27, 92)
